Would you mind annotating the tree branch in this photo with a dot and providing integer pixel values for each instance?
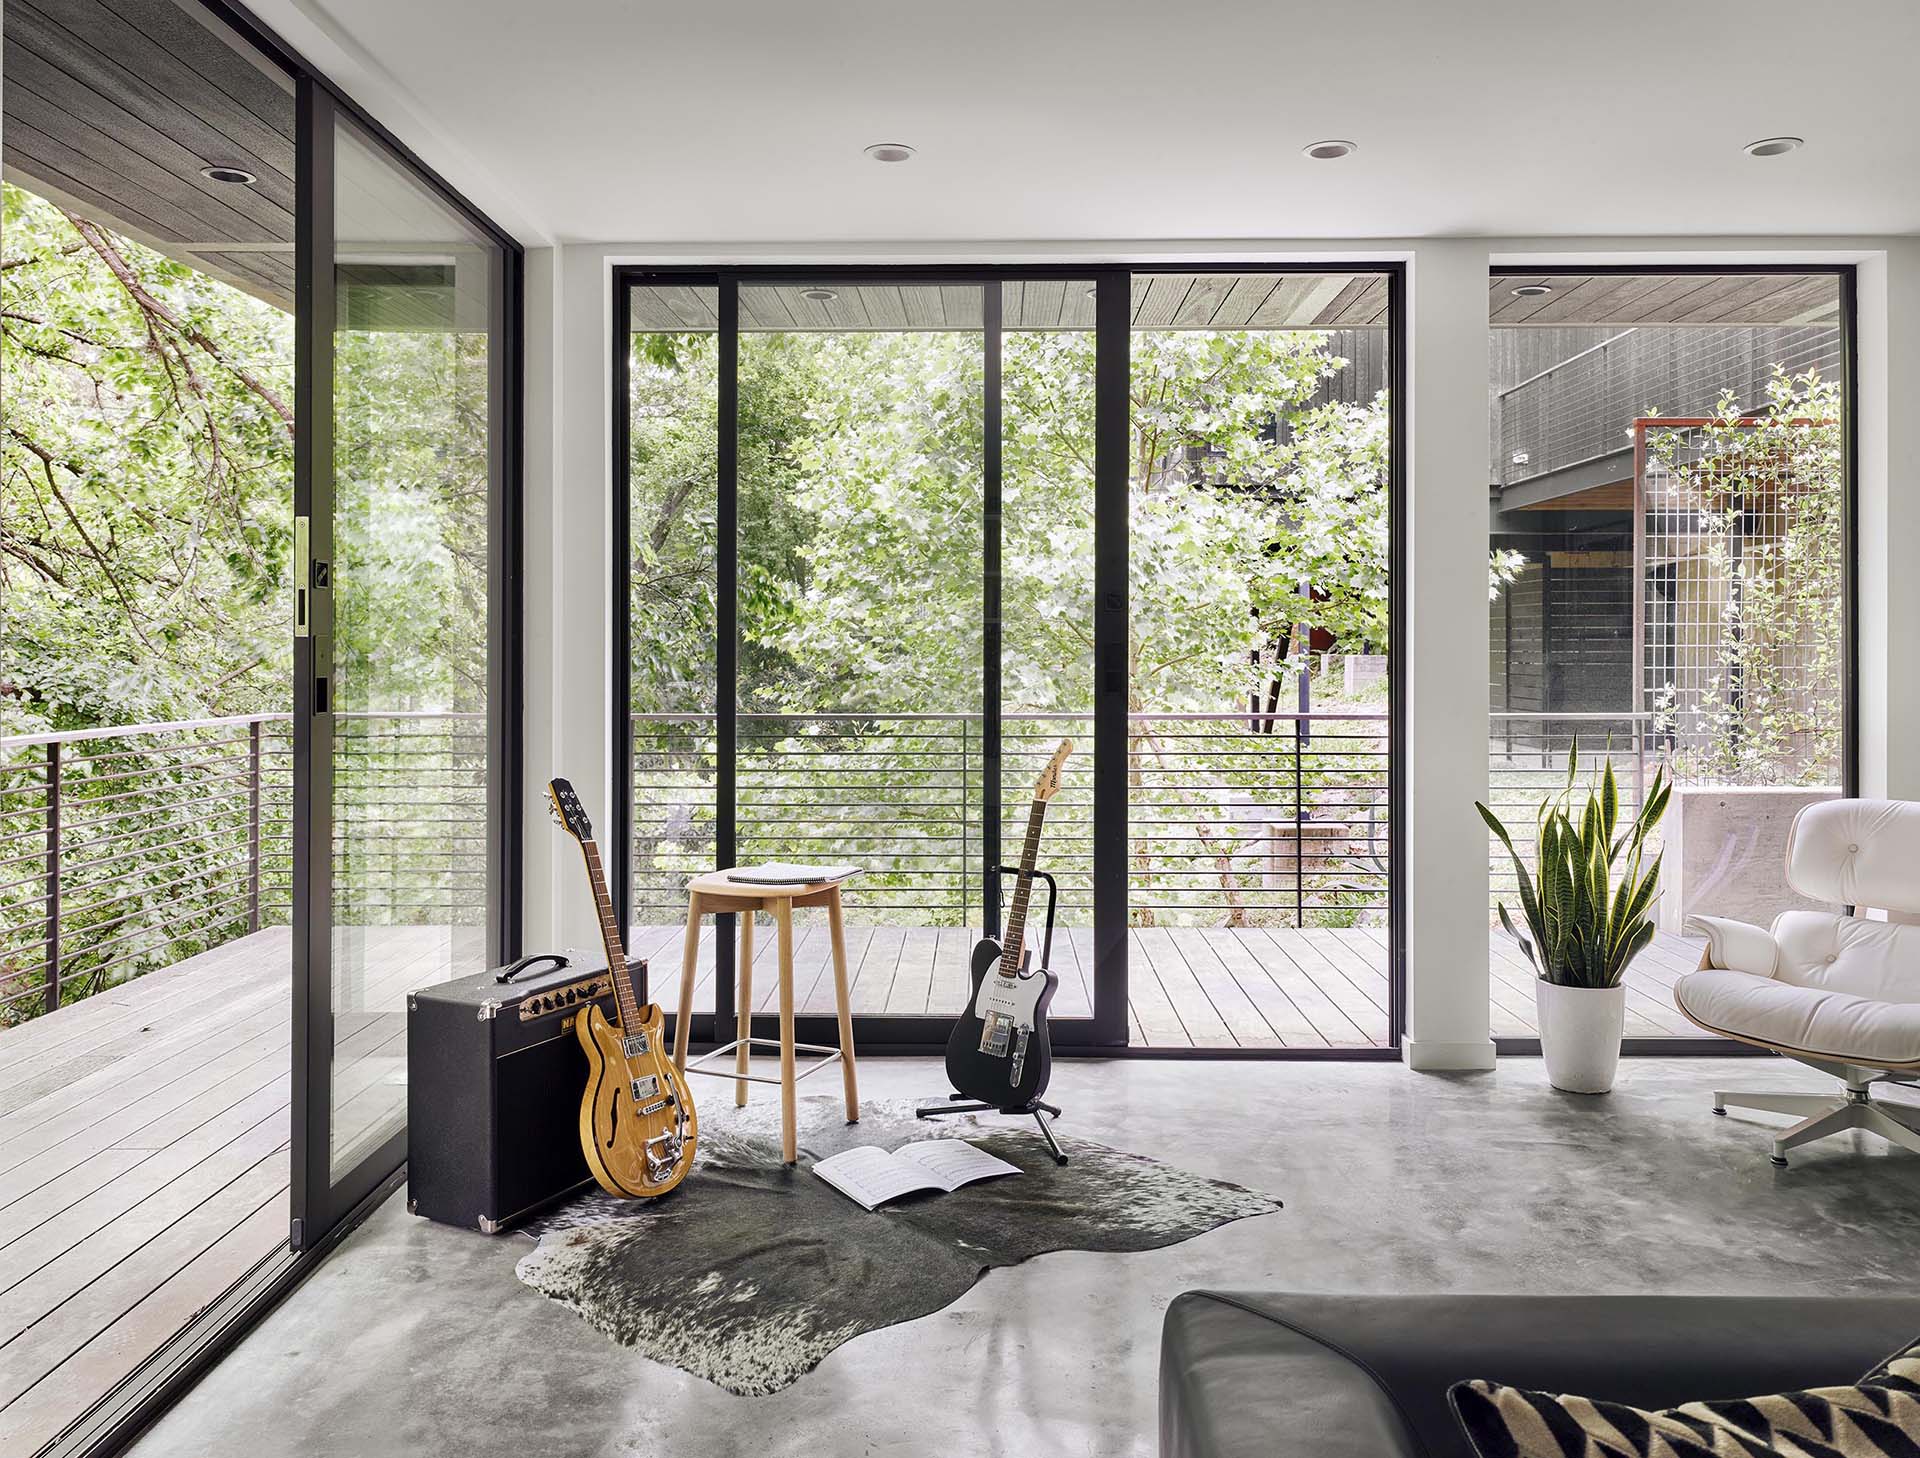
(97, 240)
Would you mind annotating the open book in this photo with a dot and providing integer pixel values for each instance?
(872, 1176)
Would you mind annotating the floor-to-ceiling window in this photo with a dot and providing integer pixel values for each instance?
(260, 481)
(1259, 691)
(1668, 577)
(958, 518)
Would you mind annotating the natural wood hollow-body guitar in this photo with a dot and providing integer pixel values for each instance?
(637, 1124)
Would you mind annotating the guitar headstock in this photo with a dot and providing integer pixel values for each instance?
(567, 808)
(1048, 785)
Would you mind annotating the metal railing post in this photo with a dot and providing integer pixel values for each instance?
(1299, 833)
(253, 826)
(52, 973)
(966, 821)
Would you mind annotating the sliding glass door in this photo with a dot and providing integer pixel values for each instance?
(875, 569)
(402, 698)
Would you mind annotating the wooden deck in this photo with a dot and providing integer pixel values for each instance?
(144, 1147)
(1190, 987)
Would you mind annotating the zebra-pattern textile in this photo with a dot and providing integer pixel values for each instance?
(1877, 1418)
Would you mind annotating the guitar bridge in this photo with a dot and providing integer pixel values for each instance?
(1019, 1056)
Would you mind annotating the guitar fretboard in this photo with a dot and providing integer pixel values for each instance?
(1022, 892)
(610, 938)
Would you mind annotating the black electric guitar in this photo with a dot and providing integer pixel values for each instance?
(1000, 1053)
(637, 1125)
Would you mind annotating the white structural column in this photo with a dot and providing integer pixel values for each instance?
(1443, 636)
(1888, 500)
(567, 726)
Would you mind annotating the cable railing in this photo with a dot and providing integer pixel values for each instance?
(1233, 819)
(128, 848)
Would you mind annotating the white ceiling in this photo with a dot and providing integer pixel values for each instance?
(744, 120)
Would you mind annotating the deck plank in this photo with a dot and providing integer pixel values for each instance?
(1298, 982)
(1294, 1028)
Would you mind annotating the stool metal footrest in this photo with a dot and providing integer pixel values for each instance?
(826, 1055)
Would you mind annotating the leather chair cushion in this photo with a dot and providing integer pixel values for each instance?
(1836, 1025)
(1872, 959)
(1292, 1376)
(1857, 853)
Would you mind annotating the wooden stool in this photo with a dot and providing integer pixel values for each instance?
(714, 895)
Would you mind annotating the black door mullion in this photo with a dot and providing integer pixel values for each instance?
(1113, 323)
(312, 1093)
(727, 642)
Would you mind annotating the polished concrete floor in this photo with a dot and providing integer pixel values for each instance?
(415, 1339)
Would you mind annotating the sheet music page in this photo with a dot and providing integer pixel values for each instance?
(872, 1176)
(954, 1162)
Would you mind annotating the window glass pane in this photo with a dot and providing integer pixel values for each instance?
(673, 403)
(1258, 689)
(1666, 579)
(861, 471)
(1046, 659)
(414, 467)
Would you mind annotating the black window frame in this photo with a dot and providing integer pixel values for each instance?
(1104, 1034)
(1847, 277)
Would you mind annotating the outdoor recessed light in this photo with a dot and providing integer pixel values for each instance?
(890, 151)
(1532, 291)
(1329, 150)
(220, 172)
(1774, 146)
(819, 296)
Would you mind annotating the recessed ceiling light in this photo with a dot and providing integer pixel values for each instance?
(1532, 291)
(1329, 150)
(890, 151)
(221, 172)
(1774, 146)
(819, 296)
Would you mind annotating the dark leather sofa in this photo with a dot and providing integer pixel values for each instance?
(1298, 1376)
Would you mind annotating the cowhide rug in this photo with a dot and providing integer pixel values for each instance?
(750, 1272)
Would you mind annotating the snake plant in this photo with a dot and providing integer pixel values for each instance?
(1588, 909)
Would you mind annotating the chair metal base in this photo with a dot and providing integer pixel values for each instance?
(1819, 1115)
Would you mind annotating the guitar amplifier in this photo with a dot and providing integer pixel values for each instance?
(495, 1075)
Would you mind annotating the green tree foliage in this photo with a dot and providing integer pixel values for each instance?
(1257, 516)
(147, 461)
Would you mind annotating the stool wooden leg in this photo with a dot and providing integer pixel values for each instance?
(689, 959)
(844, 1006)
(745, 1009)
(789, 1132)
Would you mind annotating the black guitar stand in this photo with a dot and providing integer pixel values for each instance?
(1039, 1108)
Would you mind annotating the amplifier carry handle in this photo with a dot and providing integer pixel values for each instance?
(540, 960)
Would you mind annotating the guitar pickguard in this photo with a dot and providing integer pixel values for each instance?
(1006, 1006)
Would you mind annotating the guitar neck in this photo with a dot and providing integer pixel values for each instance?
(1022, 892)
(610, 937)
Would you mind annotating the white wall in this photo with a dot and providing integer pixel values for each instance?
(569, 709)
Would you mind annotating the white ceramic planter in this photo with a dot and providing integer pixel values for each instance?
(1580, 1034)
